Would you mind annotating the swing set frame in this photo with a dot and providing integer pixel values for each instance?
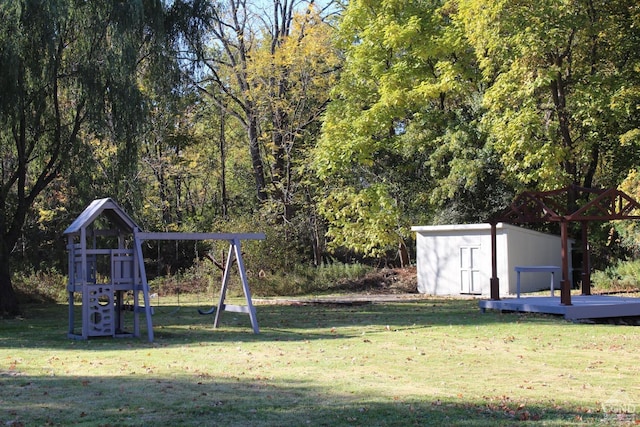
(234, 253)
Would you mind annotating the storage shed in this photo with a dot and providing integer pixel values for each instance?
(456, 259)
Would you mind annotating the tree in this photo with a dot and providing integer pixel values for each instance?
(269, 65)
(70, 76)
(400, 137)
(562, 87)
(290, 79)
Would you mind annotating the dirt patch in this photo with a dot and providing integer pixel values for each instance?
(385, 281)
(385, 285)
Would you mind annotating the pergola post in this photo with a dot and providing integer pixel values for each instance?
(586, 268)
(565, 284)
(494, 282)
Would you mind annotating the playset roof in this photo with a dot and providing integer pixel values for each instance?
(106, 207)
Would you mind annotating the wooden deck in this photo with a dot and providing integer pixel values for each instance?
(583, 306)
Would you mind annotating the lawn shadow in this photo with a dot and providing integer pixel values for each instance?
(197, 398)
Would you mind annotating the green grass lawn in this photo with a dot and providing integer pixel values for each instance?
(427, 362)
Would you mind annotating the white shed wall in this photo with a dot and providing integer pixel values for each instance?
(456, 259)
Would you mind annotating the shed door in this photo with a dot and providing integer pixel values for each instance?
(470, 282)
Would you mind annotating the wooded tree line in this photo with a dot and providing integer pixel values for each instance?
(333, 126)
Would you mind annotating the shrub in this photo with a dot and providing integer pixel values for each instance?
(625, 275)
(306, 279)
(201, 277)
(40, 286)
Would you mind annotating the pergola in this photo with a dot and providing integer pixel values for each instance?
(561, 206)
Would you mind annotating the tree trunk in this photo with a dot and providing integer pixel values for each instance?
(403, 254)
(8, 301)
(256, 158)
(223, 164)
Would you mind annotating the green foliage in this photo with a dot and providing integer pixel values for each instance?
(496, 97)
(628, 230)
(271, 69)
(400, 139)
(554, 73)
(622, 276)
(70, 90)
(202, 277)
(442, 110)
(291, 76)
(364, 220)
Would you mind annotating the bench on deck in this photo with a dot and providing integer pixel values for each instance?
(536, 269)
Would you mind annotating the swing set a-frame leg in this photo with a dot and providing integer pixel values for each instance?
(234, 251)
(145, 292)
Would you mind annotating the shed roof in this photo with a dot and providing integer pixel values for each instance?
(475, 229)
(458, 227)
(99, 207)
